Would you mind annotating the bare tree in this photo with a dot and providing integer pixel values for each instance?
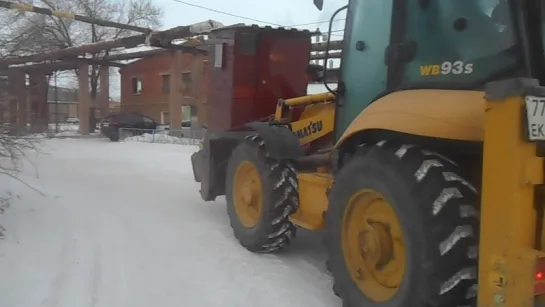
(13, 151)
(26, 33)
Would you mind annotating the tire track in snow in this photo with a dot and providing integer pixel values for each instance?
(96, 276)
(76, 283)
(68, 246)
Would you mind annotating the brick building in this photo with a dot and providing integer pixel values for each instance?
(145, 86)
(62, 103)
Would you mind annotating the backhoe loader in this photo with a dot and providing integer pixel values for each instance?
(423, 166)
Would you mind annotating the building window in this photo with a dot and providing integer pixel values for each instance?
(194, 114)
(165, 118)
(186, 82)
(136, 85)
(166, 83)
(218, 55)
(204, 67)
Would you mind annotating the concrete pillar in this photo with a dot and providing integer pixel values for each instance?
(22, 102)
(39, 109)
(17, 100)
(84, 99)
(104, 96)
(175, 96)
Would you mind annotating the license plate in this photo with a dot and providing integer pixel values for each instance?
(106, 125)
(535, 118)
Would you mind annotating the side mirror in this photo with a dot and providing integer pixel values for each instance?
(319, 4)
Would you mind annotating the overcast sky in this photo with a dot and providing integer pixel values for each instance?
(282, 12)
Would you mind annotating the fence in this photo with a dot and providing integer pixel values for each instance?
(182, 136)
(51, 130)
(62, 127)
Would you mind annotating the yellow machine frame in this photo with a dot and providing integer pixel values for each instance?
(317, 119)
(459, 117)
(511, 171)
(319, 108)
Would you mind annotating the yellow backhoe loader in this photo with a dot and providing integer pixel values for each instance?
(423, 166)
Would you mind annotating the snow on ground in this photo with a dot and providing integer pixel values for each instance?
(122, 224)
(162, 138)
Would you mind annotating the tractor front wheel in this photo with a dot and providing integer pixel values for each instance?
(402, 230)
(261, 194)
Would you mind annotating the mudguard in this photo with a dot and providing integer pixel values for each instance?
(444, 114)
(210, 164)
(196, 163)
(280, 142)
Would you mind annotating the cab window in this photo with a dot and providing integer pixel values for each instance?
(460, 43)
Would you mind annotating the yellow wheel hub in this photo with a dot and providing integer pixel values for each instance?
(373, 245)
(247, 194)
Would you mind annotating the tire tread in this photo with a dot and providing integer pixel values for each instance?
(447, 205)
(275, 230)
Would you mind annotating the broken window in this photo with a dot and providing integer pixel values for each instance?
(136, 85)
(166, 84)
(186, 82)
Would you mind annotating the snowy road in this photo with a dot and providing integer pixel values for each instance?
(122, 224)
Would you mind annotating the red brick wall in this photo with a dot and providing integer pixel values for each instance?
(152, 101)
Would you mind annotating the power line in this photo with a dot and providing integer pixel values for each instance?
(252, 19)
(315, 23)
(225, 13)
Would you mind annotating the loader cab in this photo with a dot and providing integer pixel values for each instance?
(427, 44)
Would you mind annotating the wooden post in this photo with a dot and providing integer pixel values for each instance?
(175, 103)
(104, 96)
(17, 91)
(84, 99)
(22, 101)
(38, 102)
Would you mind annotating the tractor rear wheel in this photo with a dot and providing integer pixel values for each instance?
(402, 230)
(261, 194)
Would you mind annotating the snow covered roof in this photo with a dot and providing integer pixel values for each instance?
(254, 26)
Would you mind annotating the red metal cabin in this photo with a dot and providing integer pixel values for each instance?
(251, 68)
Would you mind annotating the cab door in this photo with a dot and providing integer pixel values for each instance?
(364, 73)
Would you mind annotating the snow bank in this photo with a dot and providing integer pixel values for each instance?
(317, 88)
(162, 138)
(64, 127)
(67, 133)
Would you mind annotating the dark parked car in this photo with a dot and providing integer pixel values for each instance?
(141, 124)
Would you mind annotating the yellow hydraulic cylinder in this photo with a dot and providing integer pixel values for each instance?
(309, 99)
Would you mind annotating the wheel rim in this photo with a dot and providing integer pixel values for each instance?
(373, 245)
(247, 195)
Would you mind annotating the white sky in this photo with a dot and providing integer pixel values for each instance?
(283, 12)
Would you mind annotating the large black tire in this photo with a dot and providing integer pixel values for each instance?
(438, 215)
(280, 198)
(114, 137)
